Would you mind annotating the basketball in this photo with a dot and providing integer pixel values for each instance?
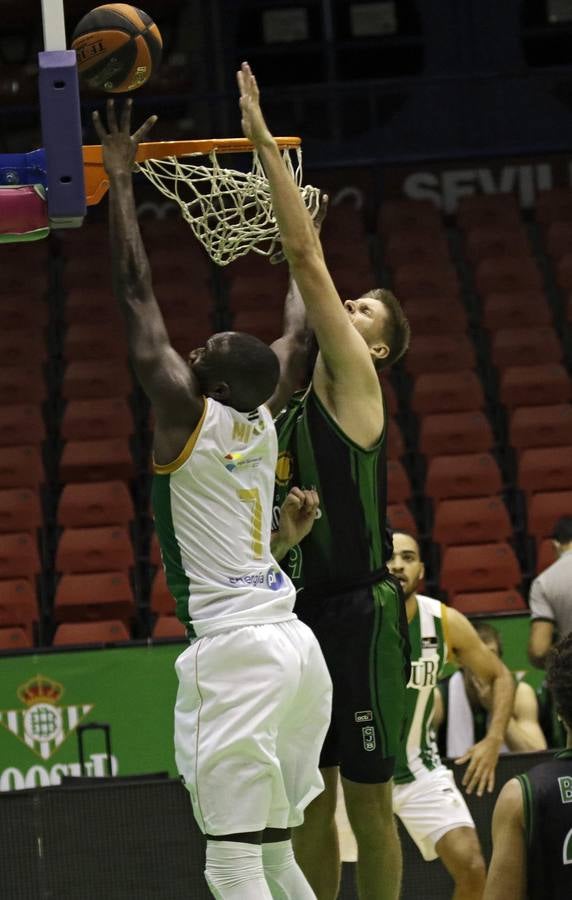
(118, 46)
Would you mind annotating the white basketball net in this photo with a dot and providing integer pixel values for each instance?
(230, 212)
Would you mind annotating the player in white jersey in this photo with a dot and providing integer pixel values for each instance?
(425, 796)
(254, 696)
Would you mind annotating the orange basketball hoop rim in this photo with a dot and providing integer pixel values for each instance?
(97, 182)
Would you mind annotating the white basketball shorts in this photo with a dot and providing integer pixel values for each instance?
(429, 807)
(252, 711)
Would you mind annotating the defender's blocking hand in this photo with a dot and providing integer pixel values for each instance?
(119, 145)
(253, 125)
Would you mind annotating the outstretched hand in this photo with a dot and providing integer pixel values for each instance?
(482, 759)
(253, 125)
(119, 145)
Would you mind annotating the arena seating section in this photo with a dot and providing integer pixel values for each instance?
(480, 411)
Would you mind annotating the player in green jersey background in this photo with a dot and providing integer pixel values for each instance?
(532, 821)
(425, 796)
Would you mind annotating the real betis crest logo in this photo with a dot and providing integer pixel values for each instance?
(43, 725)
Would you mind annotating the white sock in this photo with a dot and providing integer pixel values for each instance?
(283, 874)
(234, 871)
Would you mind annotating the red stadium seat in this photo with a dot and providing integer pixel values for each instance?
(546, 555)
(162, 601)
(104, 460)
(191, 267)
(389, 395)
(21, 425)
(105, 417)
(91, 307)
(422, 280)
(471, 521)
(19, 557)
(21, 467)
(524, 346)
(14, 639)
(489, 603)
(470, 475)
(96, 378)
(20, 510)
(540, 385)
(506, 274)
(86, 550)
(94, 597)
(266, 324)
(448, 316)
(21, 386)
(455, 433)
(440, 393)
(88, 340)
(83, 633)
(18, 606)
(544, 510)
(93, 504)
(22, 349)
(554, 205)
(402, 247)
(155, 551)
(352, 281)
(405, 215)
(398, 484)
(541, 426)
(168, 627)
(545, 469)
(187, 334)
(488, 211)
(558, 239)
(395, 442)
(479, 567)
(400, 518)
(445, 353)
(495, 241)
(23, 313)
(564, 272)
(515, 310)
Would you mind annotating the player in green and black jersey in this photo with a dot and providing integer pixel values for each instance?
(333, 437)
(532, 821)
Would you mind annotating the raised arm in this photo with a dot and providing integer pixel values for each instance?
(294, 347)
(344, 352)
(497, 694)
(163, 374)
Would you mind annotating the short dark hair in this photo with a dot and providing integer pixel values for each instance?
(408, 534)
(559, 677)
(563, 530)
(398, 332)
(248, 365)
(488, 634)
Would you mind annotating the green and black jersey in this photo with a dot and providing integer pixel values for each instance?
(547, 798)
(347, 545)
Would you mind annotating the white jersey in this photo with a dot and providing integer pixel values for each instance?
(213, 512)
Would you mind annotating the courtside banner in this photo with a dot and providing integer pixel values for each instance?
(45, 697)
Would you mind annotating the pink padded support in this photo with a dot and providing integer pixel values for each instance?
(23, 209)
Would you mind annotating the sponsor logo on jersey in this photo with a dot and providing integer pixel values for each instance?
(272, 578)
(284, 468)
(565, 785)
(364, 715)
(43, 725)
(240, 461)
(368, 735)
